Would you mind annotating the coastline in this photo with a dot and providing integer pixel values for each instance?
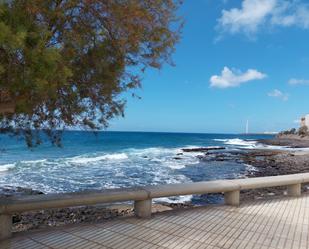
(292, 142)
(262, 162)
(74, 215)
(292, 160)
(272, 163)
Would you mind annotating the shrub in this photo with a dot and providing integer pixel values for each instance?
(303, 131)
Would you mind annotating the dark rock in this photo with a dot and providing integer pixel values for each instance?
(266, 163)
(203, 149)
(8, 191)
(292, 142)
(16, 218)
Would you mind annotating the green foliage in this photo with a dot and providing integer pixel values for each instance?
(293, 131)
(65, 63)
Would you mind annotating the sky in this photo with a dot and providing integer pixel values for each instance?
(238, 60)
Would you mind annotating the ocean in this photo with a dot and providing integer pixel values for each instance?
(108, 160)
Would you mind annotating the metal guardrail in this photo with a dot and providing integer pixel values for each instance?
(142, 196)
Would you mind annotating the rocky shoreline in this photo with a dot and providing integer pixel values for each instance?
(263, 162)
(268, 162)
(288, 142)
(64, 216)
(87, 214)
(272, 163)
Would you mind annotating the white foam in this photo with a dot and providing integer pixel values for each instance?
(171, 162)
(123, 168)
(175, 165)
(167, 157)
(240, 142)
(34, 161)
(252, 144)
(119, 156)
(251, 168)
(243, 144)
(220, 140)
(88, 159)
(7, 167)
(153, 151)
(178, 199)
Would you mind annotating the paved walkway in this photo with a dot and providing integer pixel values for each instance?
(279, 223)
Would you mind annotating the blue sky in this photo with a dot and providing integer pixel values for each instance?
(237, 60)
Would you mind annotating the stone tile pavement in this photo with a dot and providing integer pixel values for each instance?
(269, 224)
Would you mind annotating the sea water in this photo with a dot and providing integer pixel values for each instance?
(108, 160)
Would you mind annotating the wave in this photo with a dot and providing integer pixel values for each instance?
(88, 159)
(34, 161)
(248, 144)
(172, 158)
(152, 151)
(220, 140)
(103, 170)
(237, 141)
(253, 144)
(7, 167)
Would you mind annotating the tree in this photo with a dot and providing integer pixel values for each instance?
(303, 131)
(66, 62)
(293, 131)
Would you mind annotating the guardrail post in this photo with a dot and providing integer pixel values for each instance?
(232, 198)
(294, 190)
(5, 226)
(142, 209)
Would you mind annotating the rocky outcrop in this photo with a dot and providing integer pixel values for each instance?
(62, 216)
(203, 149)
(288, 141)
(8, 191)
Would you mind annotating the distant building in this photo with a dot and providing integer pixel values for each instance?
(304, 121)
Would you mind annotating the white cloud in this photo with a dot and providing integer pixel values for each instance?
(298, 82)
(278, 94)
(291, 13)
(234, 78)
(256, 14)
(251, 15)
